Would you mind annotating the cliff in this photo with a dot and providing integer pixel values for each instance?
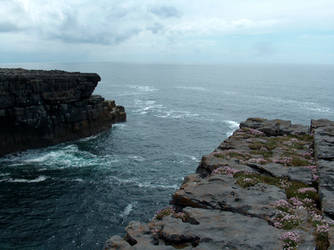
(41, 108)
(268, 186)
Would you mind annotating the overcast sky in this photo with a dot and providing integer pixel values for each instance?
(171, 31)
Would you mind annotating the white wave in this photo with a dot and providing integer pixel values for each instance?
(38, 179)
(56, 157)
(233, 125)
(176, 114)
(150, 185)
(136, 157)
(312, 106)
(319, 109)
(143, 107)
(145, 184)
(143, 88)
(127, 210)
(89, 138)
(187, 156)
(44, 158)
(119, 125)
(196, 88)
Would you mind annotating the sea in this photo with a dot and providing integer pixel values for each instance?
(76, 195)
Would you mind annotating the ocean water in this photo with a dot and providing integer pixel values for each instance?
(75, 195)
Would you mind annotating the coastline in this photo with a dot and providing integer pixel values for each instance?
(268, 186)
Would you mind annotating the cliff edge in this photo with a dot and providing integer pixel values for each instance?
(268, 186)
(41, 108)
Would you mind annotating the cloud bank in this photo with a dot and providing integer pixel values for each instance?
(167, 31)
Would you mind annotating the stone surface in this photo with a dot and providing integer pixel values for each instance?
(41, 108)
(221, 230)
(323, 131)
(274, 127)
(256, 186)
(222, 192)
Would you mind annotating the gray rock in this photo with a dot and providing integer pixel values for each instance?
(214, 212)
(302, 174)
(222, 192)
(324, 151)
(116, 242)
(274, 127)
(222, 230)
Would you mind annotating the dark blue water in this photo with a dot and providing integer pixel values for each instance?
(75, 195)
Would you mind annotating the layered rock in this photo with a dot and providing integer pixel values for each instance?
(323, 131)
(41, 108)
(260, 189)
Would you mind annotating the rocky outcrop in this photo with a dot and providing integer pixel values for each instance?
(260, 189)
(323, 131)
(41, 108)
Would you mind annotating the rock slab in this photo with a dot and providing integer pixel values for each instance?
(41, 108)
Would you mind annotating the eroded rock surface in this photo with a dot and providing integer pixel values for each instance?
(41, 108)
(324, 152)
(260, 189)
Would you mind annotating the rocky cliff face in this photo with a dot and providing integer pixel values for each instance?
(41, 108)
(268, 186)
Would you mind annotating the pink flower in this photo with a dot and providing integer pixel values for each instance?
(296, 202)
(315, 177)
(255, 132)
(290, 236)
(225, 170)
(284, 160)
(281, 203)
(278, 224)
(307, 189)
(307, 154)
(322, 228)
(309, 202)
(313, 168)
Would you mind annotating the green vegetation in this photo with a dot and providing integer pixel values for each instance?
(266, 154)
(297, 161)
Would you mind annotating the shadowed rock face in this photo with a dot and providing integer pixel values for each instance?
(40, 108)
(260, 189)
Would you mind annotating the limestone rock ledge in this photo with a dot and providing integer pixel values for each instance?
(41, 108)
(268, 186)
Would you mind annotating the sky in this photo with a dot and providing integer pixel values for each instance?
(167, 31)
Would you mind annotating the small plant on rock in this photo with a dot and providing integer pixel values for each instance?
(290, 240)
(164, 212)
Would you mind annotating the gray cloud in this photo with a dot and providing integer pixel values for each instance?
(166, 11)
(264, 49)
(156, 28)
(8, 27)
(94, 29)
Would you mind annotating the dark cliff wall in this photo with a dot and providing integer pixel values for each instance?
(41, 108)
